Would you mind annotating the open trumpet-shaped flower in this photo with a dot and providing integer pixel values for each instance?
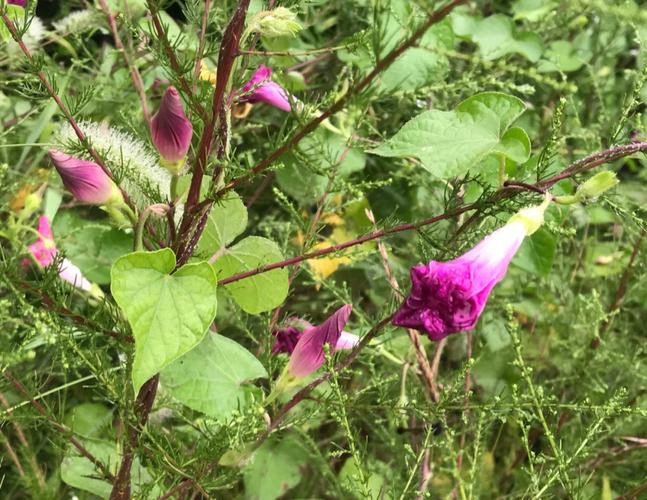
(449, 297)
(286, 339)
(44, 251)
(86, 180)
(308, 354)
(261, 89)
(171, 130)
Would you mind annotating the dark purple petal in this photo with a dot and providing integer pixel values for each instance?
(171, 130)
(449, 297)
(286, 340)
(22, 3)
(84, 179)
(308, 355)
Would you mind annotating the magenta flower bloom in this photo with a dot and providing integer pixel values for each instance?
(44, 251)
(85, 179)
(308, 354)
(171, 130)
(21, 3)
(286, 339)
(261, 89)
(448, 297)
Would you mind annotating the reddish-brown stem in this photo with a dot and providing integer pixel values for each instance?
(59, 427)
(414, 336)
(135, 76)
(505, 192)
(383, 64)
(143, 406)
(226, 57)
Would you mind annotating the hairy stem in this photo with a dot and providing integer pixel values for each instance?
(588, 163)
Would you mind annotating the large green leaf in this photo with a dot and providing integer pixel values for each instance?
(259, 293)
(227, 220)
(274, 468)
(449, 143)
(91, 245)
(537, 253)
(78, 472)
(168, 313)
(213, 377)
(496, 37)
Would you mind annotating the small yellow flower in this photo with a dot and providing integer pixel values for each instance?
(207, 74)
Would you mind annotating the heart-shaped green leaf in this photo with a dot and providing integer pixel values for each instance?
(227, 219)
(449, 143)
(213, 377)
(168, 313)
(259, 293)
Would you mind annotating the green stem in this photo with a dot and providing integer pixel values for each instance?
(502, 173)
(139, 230)
(174, 183)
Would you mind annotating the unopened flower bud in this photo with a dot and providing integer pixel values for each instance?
(275, 23)
(86, 180)
(171, 131)
(597, 185)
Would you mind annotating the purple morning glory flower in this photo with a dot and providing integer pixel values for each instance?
(261, 89)
(21, 3)
(448, 297)
(308, 354)
(171, 130)
(85, 179)
(286, 339)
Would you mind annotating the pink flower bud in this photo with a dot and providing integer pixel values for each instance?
(171, 130)
(261, 89)
(85, 179)
(308, 354)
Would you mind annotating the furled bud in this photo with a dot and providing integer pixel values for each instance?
(597, 185)
(171, 131)
(592, 188)
(86, 180)
(275, 23)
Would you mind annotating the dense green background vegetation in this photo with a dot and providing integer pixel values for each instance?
(546, 398)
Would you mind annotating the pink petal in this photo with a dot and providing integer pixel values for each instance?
(264, 90)
(72, 274)
(308, 355)
(171, 130)
(84, 179)
(347, 341)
